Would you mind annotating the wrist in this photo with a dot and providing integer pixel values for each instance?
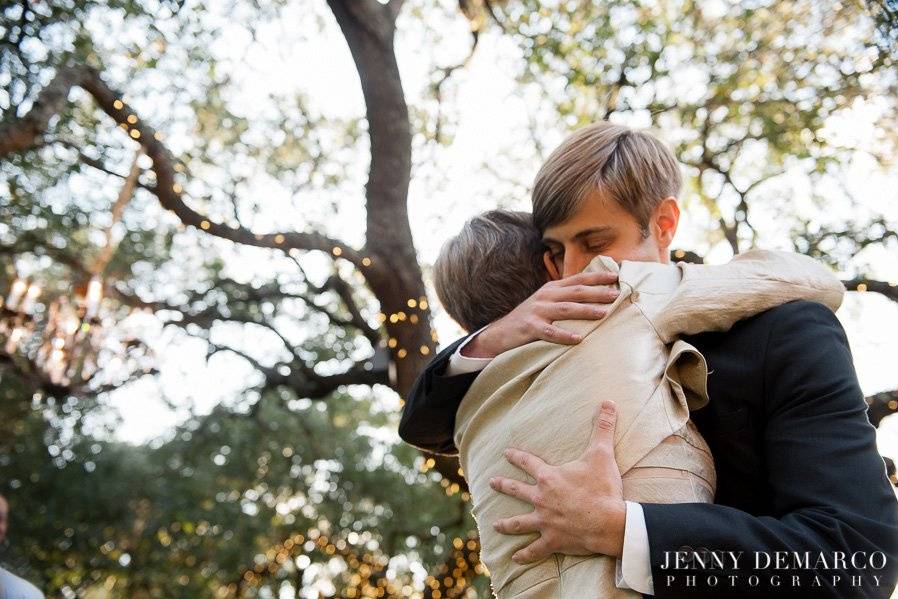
(610, 537)
(481, 345)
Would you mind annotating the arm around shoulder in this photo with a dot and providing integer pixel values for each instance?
(428, 416)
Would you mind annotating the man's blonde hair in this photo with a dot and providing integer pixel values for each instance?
(490, 267)
(633, 168)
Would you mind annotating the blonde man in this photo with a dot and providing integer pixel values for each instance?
(795, 455)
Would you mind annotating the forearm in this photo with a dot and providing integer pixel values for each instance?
(715, 297)
(428, 416)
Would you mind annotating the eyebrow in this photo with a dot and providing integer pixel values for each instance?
(583, 234)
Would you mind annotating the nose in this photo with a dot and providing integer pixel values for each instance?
(574, 261)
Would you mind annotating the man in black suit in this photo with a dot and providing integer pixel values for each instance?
(803, 504)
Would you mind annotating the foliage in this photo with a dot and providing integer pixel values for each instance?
(257, 248)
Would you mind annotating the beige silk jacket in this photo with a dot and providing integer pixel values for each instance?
(541, 398)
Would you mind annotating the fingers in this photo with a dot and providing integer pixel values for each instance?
(555, 334)
(602, 439)
(517, 525)
(582, 294)
(515, 488)
(535, 551)
(527, 462)
(589, 278)
(574, 311)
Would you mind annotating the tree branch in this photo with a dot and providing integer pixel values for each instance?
(24, 134)
(863, 284)
(447, 73)
(21, 134)
(882, 405)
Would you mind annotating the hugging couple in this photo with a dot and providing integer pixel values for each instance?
(630, 426)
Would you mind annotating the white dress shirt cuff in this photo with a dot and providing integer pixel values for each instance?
(634, 568)
(459, 364)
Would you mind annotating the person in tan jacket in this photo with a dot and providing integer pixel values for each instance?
(539, 397)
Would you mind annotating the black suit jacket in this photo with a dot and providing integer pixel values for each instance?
(797, 466)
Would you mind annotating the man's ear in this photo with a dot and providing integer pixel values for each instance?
(554, 275)
(665, 221)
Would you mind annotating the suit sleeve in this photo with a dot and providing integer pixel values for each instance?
(829, 487)
(428, 416)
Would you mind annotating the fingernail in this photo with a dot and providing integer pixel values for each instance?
(577, 338)
(492, 482)
(608, 405)
(495, 526)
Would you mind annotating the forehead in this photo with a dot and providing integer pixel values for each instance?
(597, 214)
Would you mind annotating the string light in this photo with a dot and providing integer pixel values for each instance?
(680, 254)
(425, 350)
(118, 104)
(366, 261)
(412, 303)
(205, 225)
(279, 239)
(401, 353)
(337, 251)
(132, 118)
(177, 188)
(862, 287)
(135, 133)
(60, 340)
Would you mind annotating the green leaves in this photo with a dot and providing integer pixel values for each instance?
(741, 91)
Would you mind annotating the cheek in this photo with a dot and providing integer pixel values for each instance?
(634, 249)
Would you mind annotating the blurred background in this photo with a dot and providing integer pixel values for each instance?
(217, 220)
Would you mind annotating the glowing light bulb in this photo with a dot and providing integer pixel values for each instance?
(94, 295)
(15, 293)
(30, 296)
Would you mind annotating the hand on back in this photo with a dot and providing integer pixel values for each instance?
(583, 296)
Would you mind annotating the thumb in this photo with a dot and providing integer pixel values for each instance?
(603, 423)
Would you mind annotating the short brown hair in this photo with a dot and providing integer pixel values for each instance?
(490, 267)
(632, 167)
